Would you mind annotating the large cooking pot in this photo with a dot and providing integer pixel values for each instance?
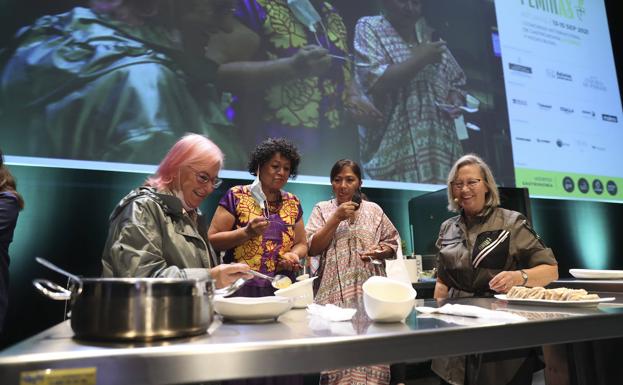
(135, 308)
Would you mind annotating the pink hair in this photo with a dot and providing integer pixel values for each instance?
(191, 149)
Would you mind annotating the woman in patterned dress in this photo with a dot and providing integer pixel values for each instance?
(411, 71)
(346, 235)
(270, 239)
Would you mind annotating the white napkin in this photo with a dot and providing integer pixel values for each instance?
(471, 311)
(331, 312)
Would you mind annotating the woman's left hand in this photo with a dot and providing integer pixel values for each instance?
(504, 280)
(379, 252)
(289, 261)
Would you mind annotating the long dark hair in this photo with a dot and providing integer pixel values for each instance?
(7, 182)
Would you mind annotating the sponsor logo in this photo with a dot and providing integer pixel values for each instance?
(583, 185)
(555, 74)
(520, 68)
(560, 143)
(523, 139)
(568, 184)
(566, 110)
(543, 140)
(598, 187)
(594, 83)
(609, 118)
(544, 106)
(520, 102)
(588, 114)
(612, 188)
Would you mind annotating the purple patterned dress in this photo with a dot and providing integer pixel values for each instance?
(261, 253)
(308, 110)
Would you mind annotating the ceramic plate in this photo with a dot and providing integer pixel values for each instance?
(252, 309)
(551, 302)
(596, 274)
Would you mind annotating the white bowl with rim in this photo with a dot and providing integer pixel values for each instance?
(387, 300)
(301, 291)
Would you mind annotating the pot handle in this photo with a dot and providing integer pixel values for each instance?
(52, 290)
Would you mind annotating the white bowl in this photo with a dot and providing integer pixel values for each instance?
(252, 308)
(386, 300)
(301, 291)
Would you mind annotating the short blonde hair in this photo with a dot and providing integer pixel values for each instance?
(493, 196)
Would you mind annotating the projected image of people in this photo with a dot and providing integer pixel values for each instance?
(119, 81)
(417, 84)
(288, 65)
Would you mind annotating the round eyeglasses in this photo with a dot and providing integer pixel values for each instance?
(204, 178)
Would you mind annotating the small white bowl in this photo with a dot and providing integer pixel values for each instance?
(386, 300)
(301, 291)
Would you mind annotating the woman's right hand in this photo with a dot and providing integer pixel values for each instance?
(430, 52)
(226, 274)
(346, 211)
(256, 227)
(311, 60)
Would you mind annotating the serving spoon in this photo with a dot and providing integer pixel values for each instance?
(279, 281)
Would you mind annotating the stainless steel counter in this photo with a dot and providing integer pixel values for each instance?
(298, 344)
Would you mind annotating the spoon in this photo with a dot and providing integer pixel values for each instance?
(355, 63)
(279, 281)
(57, 269)
(231, 289)
(375, 261)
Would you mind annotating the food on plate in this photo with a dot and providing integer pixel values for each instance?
(282, 283)
(558, 294)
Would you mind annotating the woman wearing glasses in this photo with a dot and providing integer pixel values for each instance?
(157, 230)
(482, 251)
(260, 224)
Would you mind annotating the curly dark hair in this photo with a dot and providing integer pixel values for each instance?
(264, 151)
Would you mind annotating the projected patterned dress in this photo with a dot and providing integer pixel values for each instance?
(310, 110)
(342, 273)
(418, 142)
(82, 85)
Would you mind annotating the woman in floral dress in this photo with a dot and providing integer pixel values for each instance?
(270, 238)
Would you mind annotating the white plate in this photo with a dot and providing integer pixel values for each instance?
(255, 309)
(550, 302)
(596, 274)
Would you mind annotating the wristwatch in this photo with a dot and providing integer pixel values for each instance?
(524, 275)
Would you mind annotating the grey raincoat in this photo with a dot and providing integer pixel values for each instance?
(151, 235)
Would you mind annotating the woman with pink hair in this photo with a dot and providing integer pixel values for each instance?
(157, 230)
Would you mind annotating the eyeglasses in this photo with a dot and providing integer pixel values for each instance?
(204, 178)
(471, 184)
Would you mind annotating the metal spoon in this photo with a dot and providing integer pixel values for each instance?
(57, 269)
(279, 281)
(231, 289)
(375, 261)
(347, 59)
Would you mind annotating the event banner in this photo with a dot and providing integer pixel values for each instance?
(563, 99)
